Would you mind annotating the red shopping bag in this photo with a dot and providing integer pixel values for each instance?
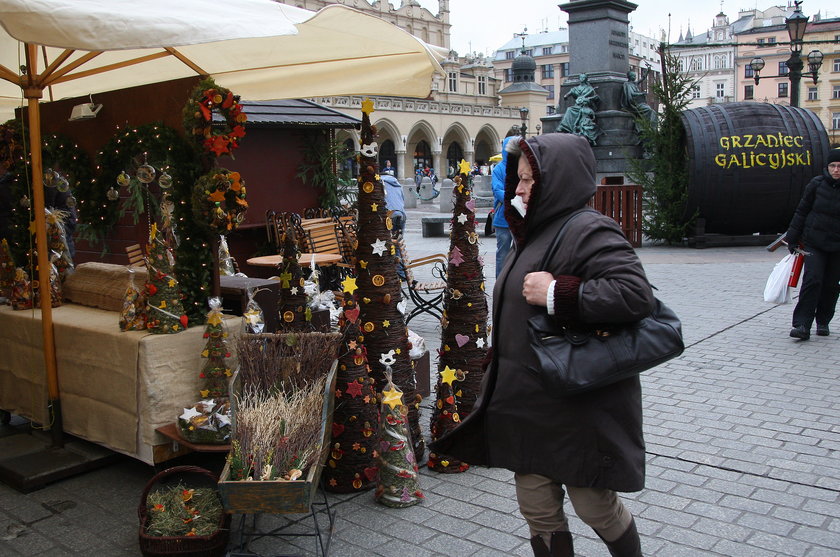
(796, 271)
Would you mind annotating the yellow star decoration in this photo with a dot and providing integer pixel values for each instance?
(447, 375)
(367, 106)
(398, 351)
(349, 285)
(464, 167)
(172, 283)
(363, 264)
(374, 207)
(392, 397)
(204, 393)
(215, 318)
(386, 323)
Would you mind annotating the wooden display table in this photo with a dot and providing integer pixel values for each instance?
(171, 431)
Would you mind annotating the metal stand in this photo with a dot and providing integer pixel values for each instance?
(250, 533)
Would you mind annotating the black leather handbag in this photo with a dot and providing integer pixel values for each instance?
(577, 360)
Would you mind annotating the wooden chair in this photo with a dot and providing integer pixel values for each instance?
(427, 295)
(136, 257)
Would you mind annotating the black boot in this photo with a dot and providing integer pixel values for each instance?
(561, 545)
(628, 545)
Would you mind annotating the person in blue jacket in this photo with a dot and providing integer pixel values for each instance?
(394, 201)
(504, 239)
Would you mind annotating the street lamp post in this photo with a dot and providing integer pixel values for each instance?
(523, 113)
(795, 25)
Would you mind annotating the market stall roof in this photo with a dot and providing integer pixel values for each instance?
(292, 112)
(259, 49)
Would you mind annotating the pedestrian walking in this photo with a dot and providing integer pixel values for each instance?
(588, 445)
(503, 237)
(816, 225)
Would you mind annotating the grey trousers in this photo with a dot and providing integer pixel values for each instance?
(541, 503)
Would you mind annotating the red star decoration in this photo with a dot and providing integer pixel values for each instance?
(354, 389)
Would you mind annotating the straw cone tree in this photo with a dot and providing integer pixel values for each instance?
(463, 325)
(294, 312)
(399, 481)
(166, 312)
(352, 464)
(376, 286)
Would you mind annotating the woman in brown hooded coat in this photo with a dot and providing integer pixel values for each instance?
(590, 444)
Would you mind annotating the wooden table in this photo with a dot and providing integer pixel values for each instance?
(322, 259)
(171, 431)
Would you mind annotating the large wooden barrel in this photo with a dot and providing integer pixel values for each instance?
(748, 163)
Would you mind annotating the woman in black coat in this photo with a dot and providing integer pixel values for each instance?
(588, 445)
(816, 224)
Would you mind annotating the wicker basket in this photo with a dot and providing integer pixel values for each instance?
(182, 546)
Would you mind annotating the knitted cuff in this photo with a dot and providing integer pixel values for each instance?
(566, 296)
(549, 298)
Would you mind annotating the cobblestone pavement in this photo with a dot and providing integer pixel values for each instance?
(742, 431)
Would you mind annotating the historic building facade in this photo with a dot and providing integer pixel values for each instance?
(462, 118)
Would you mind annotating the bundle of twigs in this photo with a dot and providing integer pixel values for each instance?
(277, 434)
(287, 361)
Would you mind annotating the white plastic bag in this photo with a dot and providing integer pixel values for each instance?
(776, 290)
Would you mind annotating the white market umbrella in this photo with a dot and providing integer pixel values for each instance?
(260, 49)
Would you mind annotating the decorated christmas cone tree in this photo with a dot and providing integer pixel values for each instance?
(7, 270)
(376, 286)
(57, 242)
(399, 482)
(216, 371)
(294, 312)
(463, 325)
(352, 464)
(165, 310)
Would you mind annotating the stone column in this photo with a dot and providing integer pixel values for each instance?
(598, 31)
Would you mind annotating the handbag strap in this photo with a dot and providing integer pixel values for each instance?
(549, 253)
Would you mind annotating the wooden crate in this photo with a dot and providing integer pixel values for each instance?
(280, 496)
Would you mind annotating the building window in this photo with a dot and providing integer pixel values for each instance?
(748, 92)
(835, 121)
(453, 82)
(696, 65)
(548, 71)
(529, 52)
(564, 48)
(836, 65)
(812, 94)
(771, 41)
(720, 90)
(760, 42)
(783, 90)
(548, 50)
(835, 92)
(550, 89)
(482, 85)
(510, 55)
(695, 92)
(720, 62)
(748, 71)
(564, 69)
(783, 68)
(509, 74)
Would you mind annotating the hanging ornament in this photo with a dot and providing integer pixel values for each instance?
(49, 178)
(123, 179)
(112, 194)
(146, 173)
(24, 202)
(71, 202)
(165, 181)
(61, 183)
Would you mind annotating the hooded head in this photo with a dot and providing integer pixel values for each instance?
(563, 169)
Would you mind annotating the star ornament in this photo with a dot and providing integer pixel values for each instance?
(378, 247)
(367, 106)
(214, 318)
(392, 397)
(462, 218)
(447, 375)
(464, 167)
(349, 285)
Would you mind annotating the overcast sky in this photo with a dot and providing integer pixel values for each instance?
(487, 25)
